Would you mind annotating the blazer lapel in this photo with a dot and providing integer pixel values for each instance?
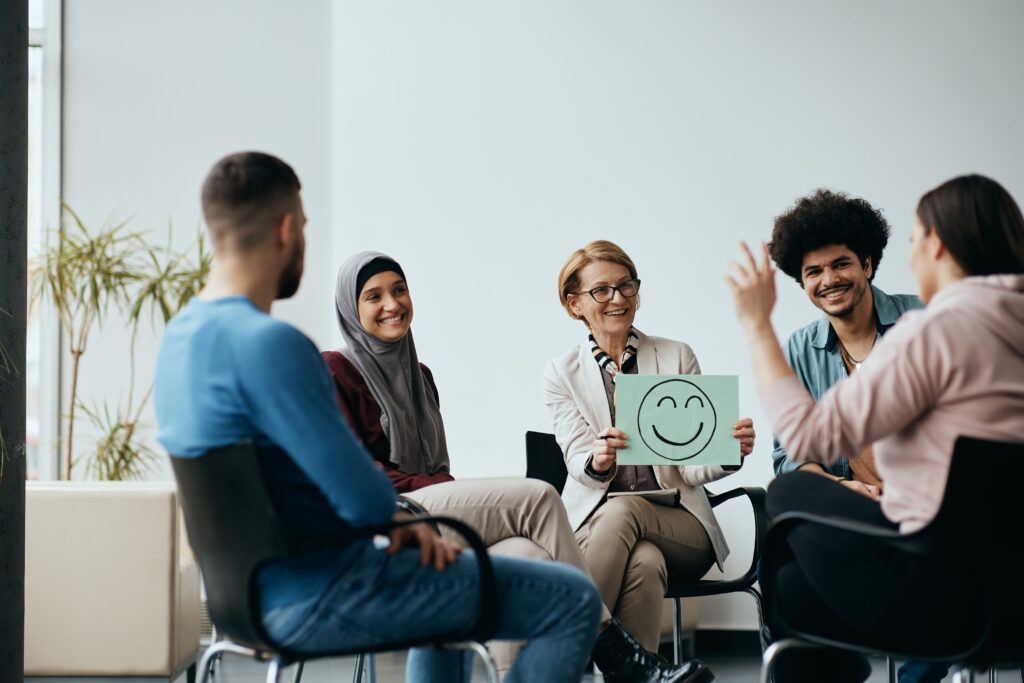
(593, 393)
(646, 355)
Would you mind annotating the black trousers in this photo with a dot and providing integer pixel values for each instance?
(854, 588)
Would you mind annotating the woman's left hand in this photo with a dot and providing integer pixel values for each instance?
(744, 431)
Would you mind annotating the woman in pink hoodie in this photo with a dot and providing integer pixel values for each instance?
(954, 369)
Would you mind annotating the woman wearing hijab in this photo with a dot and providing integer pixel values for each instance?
(392, 404)
(630, 544)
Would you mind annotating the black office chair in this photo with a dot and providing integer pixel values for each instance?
(979, 516)
(234, 529)
(544, 461)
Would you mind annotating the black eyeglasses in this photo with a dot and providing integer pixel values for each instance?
(602, 295)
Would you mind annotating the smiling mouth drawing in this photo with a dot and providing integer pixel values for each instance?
(678, 443)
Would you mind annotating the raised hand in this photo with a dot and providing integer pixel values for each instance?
(753, 289)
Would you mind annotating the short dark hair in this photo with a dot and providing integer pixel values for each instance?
(245, 194)
(823, 218)
(978, 221)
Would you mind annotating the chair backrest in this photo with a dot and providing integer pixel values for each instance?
(980, 522)
(975, 543)
(544, 459)
(233, 529)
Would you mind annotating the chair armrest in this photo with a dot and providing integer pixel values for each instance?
(781, 526)
(751, 492)
(776, 553)
(410, 506)
(756, 496)
(785, 522)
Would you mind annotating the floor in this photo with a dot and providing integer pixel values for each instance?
(390, 669)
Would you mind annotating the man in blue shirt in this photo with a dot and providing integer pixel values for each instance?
(831, 245)
(227, 371)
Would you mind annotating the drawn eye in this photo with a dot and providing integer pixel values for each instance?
(698, 398)
(667, 398)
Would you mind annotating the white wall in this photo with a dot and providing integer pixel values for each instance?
(156, 92)
(480, 143)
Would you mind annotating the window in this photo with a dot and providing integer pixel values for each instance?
(42, 371)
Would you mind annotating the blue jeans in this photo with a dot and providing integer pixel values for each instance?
(921, 672)
(385, 598)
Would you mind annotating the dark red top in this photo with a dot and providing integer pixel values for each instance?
(363, 414)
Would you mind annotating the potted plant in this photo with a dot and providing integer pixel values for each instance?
(89, 275)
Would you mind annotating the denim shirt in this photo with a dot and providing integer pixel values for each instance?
(813, 353)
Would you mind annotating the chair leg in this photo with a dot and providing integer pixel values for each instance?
(485, 656)
(373, 667)
(756, 595)
(677, 632)
(214, 652)
(214, 638)
(275, 670)
(190, 674)
(357, 674)
(298, 672)
(777, 648)
(890, 668)
(963, 676)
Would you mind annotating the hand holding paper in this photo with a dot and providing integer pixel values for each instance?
(605, 448)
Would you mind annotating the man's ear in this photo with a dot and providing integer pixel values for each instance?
(284, 231)
(869, 267)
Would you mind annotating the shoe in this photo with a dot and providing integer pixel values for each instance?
(623, 660)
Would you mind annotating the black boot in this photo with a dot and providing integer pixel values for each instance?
(623, 660)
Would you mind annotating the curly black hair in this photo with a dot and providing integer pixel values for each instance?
(823, 218)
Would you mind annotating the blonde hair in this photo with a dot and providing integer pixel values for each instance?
(598, 250)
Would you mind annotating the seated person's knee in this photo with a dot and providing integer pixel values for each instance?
(648, 564)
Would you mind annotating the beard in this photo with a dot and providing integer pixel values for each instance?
(858, 290)
(291, 276)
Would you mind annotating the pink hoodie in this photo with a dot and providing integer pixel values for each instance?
(955, 368)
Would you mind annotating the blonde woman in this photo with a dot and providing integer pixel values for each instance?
(629, 544)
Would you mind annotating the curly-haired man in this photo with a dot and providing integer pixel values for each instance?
(831, 244)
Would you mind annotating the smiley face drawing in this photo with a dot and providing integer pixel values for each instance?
(676, 419)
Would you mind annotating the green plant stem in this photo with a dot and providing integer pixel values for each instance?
(75, 357)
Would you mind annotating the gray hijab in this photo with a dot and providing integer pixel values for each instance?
(410, 414)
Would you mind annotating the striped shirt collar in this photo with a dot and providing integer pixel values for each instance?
(608, 363)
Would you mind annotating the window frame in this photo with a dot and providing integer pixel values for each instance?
(50, 39)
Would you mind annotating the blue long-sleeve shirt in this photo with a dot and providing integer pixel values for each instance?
(228, 372)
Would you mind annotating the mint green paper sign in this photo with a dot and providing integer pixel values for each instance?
(678, 419)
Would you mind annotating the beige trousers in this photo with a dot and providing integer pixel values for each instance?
(631, 546)
(513, 516)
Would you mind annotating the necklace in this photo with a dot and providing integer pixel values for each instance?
(849, 357)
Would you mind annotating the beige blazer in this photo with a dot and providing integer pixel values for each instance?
(575, 396)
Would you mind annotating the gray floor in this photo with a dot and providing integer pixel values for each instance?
(391, 667)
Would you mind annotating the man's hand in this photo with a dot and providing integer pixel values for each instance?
(605, 446)
(869, 490)
(744, 432)
(433, 549)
